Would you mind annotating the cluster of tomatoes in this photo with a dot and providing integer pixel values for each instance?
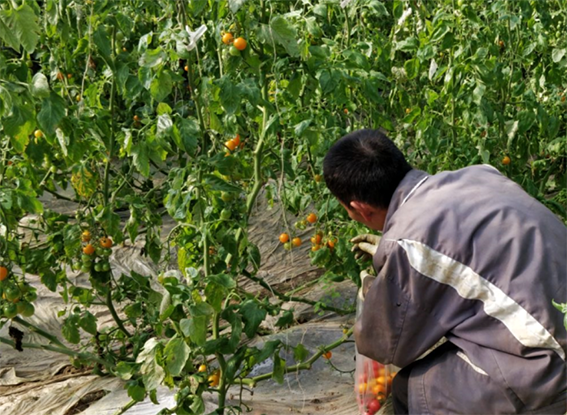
(236, 45)
(233, 144)
(17, 296)
(95, 255)
(373, 385)
(318, 241)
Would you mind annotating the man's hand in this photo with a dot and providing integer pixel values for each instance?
(366, 281)
(365, 246)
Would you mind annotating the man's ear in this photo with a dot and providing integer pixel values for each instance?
(363, 209)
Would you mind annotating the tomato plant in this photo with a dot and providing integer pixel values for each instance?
(222, 100)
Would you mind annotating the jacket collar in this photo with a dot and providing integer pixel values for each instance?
(412, 180)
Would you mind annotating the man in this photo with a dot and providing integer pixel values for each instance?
(465, 255)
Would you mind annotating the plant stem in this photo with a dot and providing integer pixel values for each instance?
(300, 366)
(39, 331)
(63, 350)
(113, 312)
(106, 192)
(125, 407)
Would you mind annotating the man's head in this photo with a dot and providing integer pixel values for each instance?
(362, 170)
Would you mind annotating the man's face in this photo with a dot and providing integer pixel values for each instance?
(370, 216)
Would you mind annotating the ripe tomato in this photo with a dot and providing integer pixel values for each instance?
(230, 145)
(328, 355)
(227, 38)
(89, 249)
(186, 68)
(362, 388)
(60, 76)
(373, 406)
(38, 133)
(284, 237)
(86, 236)
(312, 218)
(506, 160)
(331, 244)
(69, 76)
(3, 273)
(213, 380)
(315, 248)
(240, 43)
(105, 242)
(236, 140)
(202, 368)
(296, 241)
(345, 110)
(316, 239)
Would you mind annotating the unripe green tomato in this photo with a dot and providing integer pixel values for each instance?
(12, 293)
(86, 259)
(98, 267)
(31, 295)
(107, 252)
(25, 309)
(287, 246)
(99, 251)
(105, 266)
(10, 310)
(233, 51)
(86, 268)
(226, 197)
(225, 214)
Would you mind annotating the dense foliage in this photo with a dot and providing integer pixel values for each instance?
(217, 100)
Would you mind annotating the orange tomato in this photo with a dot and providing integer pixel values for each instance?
(331, 244)
(236, 140)
(312, 218)
(230, 145)
(284, 237)
(240, 43)
(227, 38)
(296, 241)
(328, 355)
(202, 368)
(88, 249)
(3, 273)
(362, 388)
(316, 239)
(105, 242)
(506, 160)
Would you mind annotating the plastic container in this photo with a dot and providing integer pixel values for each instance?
(372, 380)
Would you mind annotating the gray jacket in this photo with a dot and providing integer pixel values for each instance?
(470, 256)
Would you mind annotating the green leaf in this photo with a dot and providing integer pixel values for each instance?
(286, 319)
(229, 95)
(197, 6)
(300, 353)
(49, 279)
(216, 183)
(70, 329)
(195, 328)
(235, 5)
(478, 93)
(125, 370)
(278, 370)
(88, 323)
(152, 58)
(153, 374)
(557, 54)
(23, 23)
(141, 159)
(329, 80)
(19, 126)
(161, 86)
(412, 68)
(136, 392)
(6, 33)
(252, 315)
(40, 86)
(284, 33)
(176, 353)
(102, 42)
(51, 114)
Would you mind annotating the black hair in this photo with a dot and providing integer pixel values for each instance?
(364, 166)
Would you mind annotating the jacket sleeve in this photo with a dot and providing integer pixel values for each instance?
(405, 313)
